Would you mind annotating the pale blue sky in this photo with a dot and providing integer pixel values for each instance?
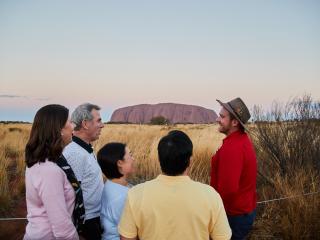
(119, 53)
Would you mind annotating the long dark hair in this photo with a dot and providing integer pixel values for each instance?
(45, 141)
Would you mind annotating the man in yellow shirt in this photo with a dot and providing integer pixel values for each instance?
(172, 206)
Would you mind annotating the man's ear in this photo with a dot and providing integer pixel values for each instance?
(84, 124)
(235, 123)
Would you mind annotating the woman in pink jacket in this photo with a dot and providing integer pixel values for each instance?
(49, 194)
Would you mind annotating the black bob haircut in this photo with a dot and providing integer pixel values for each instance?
(108, 157)
(174, 152)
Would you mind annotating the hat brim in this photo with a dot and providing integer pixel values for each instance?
(230, 110)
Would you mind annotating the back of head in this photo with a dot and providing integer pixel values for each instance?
(174, 151)
(81, 113)
(45, 141)
(108, 157)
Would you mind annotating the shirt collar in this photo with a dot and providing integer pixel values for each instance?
(83, 144)
(166, 178)
(233, 135)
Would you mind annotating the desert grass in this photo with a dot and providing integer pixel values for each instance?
(143, 142)
(293, 218)
(296, 218)
(13, 138)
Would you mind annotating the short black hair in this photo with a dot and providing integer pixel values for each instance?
(174, 151)
(108, 157)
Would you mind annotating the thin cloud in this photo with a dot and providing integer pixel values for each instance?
(25, 97)
(42, 99)
(11, 96)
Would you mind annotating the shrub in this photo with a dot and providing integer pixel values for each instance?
(287, 140)
(159, 120)
(289, 135)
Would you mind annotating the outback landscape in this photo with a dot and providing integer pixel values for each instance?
(157, 66)
(287, 140)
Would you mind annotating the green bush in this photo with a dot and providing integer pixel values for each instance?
(159, 120)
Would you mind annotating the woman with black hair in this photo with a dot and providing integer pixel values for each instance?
(116, 163)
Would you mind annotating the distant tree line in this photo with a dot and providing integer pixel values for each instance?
(14, 122)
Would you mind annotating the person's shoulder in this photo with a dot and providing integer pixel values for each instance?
(111, 187)
(139, 188)
(47, 168)
(238, 139)
(201, 185)
(112, 193)
(44, 173)
(72, 146)
(207, 195)
(137, 193)
(204, 188)
(245, 138)
(74, 150)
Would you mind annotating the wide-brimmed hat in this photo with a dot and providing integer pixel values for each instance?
(238, 109)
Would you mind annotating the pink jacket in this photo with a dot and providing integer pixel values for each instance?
(50, 202)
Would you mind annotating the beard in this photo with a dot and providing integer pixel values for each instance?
(225, 129)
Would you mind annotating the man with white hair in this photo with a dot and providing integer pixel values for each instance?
(80, 156)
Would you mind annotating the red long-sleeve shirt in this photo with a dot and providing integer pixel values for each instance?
(234, 173)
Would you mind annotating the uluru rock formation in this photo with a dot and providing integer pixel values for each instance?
(175, 113)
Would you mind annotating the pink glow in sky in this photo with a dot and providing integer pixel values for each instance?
(120, 53)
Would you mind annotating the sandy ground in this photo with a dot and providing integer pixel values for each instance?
(15, 229)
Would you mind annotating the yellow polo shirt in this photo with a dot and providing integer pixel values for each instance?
(174, 207)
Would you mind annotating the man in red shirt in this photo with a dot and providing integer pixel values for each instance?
(234, 168)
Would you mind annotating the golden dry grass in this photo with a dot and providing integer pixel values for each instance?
(296, 218)
(143, 141)
(13, 138)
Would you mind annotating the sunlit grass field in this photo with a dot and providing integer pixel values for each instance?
(143, 141)
(287, 219)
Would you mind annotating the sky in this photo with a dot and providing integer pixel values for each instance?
(118, 53)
